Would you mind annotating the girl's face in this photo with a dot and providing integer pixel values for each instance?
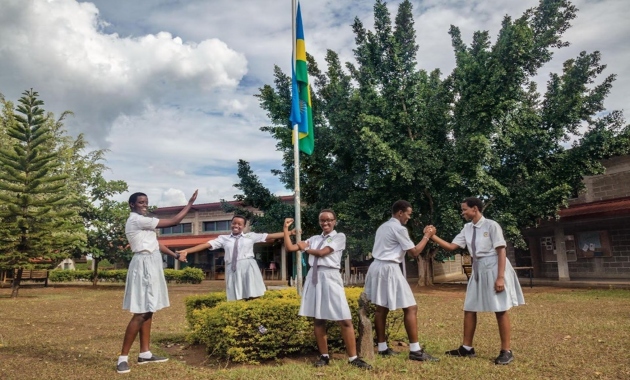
(469, 213)
(238, 224)
(327, 222)
(141, 206)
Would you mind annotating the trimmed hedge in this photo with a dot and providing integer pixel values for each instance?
(188, 275)
(267, 327)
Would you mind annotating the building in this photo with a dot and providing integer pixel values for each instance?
(206, 222)
(591, 239)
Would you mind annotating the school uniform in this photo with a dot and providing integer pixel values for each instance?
(385, 284)
(145, 287)
(325, 298)
(245, 279)
(480, 293)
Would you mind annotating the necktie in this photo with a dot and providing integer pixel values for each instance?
(314, 276)
(235, 252)
(473, 246)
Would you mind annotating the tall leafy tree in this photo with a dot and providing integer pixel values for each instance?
(387, 130)
(39, 222)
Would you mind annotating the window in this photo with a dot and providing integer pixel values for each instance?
(593, 244)
(183, 228)
(220, 225)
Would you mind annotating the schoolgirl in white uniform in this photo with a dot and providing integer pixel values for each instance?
(243, 279)
(385, 285)
(145, 288)
(323, 296)
(493, 284)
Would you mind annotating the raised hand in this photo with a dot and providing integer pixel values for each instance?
(287, 223)
(193, 197)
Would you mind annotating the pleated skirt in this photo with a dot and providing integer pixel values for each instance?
(245, 282)
(480, 293)
(145, 288)
(326, 300)
(386, 286)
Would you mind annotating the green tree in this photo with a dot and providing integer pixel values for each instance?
(386, 130)
(39, 223)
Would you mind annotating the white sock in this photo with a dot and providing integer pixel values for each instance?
(123, 359)
(382, 346)
(145, 355)
(414, 346)
(325, 355)
(351, 358)
(467, 347)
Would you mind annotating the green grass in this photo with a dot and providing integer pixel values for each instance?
(75, 332)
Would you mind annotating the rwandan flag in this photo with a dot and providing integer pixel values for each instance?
(301, 111)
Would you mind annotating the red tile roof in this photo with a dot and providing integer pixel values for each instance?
(610, 207)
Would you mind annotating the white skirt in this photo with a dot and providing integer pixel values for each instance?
(245, 282)
(480, 294)
(145, 288)
(386, 286)
(326, 300)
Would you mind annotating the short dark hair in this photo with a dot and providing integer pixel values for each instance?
(330, 211)
(474, 201)
(400, 205)
(133, 198)
(241, 217)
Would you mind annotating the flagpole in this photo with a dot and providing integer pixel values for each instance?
(296, 171)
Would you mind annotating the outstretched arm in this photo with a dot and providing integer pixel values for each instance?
(165, 249)
(197, 248)
(180, 216)
(442, 243)
(428, 232)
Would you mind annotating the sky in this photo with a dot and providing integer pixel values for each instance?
(167, 86)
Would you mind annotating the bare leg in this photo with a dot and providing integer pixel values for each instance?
(347, 333)
(411, 323)
(503, 319)
(145, 333)
(134, 326)
(320, 336)
(380, 317)
(470, 324)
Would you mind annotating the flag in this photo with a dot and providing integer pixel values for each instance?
(301, 111)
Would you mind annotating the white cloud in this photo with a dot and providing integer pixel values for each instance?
(168, 85)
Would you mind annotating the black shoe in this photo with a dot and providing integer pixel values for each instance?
(322, 361)
(123, 367)
(388, 352)
(505, 357)
(152, 359)
(422, 356)
(359, 363)
(461, 351)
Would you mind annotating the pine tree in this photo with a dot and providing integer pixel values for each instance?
(40, 225)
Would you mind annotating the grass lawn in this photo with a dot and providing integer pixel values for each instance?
(75, 332)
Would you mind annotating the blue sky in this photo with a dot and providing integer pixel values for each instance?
(167, 85)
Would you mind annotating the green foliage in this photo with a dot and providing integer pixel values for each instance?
(38, 208)
(187, 276)
(387, 130)
(232, 330)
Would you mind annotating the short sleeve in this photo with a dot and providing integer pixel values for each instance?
(216, 243)
(460, 239)
(146, 223)
(402, 236)
(338, 242)
(496, 235)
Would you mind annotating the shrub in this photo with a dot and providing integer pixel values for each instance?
(191, 276)
(172, 275)
(230, 330)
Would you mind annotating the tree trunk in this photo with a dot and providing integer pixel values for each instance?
(95, 274)
(365, 346)
(425, 269)
(15, 285)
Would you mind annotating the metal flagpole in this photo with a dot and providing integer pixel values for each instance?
(296, 164)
